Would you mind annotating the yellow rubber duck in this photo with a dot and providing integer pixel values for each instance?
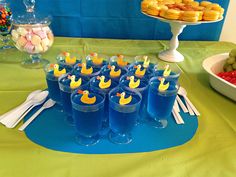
(114, 73)
(163, 87)
(96, 60)
(84, 69)
(138, 71)
(74, 84)
(167, 71)
(123, 100)
(146, 62)
(68, 59)
(120, 61)
(132, 83)
(102, 83)
(56, 71)
(85, 98)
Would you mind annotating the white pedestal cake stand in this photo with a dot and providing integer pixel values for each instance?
(177, 27)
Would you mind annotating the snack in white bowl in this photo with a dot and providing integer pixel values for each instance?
(215, 65)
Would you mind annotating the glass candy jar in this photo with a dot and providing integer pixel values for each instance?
(5, 24)
(31, 34)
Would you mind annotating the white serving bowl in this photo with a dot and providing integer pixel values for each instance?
(214, 65)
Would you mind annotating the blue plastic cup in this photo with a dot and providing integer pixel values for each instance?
(122, 118)
(77, 71)
(125, 58)
(174, 71)
(89, 60)
(62, 61)
(160, 103)
(66, 90)
(52, 82)
(88, 118)
(94, 86)
(106, 71)
(142, 88)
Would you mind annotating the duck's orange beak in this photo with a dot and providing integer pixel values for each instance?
(159, 78)
(51, 65)
(127, 78)
(69, 77)
(118, 94)
(98, 77)
(80, 91)
(135, 66)
(109, 66)
(93, 54)
(80, 64)
(64, 53)
(120, 56)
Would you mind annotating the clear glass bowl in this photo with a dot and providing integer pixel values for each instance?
(31, 34)
(33, 39)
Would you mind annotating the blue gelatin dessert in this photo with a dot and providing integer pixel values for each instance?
(96, 60)
(161, 102)
(123, 114)
(113, 72)
(84, 70)
(88, 111)
(130, 82)
(53, 72)
(170, 72)
(68, 83)
(120, 61)
(68, 60)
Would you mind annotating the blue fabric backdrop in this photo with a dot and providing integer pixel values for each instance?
(113, 19)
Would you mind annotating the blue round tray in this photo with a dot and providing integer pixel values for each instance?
(51, 131)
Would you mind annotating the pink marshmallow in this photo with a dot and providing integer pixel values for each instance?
(29, 47)
(41, 34)
(29, 36)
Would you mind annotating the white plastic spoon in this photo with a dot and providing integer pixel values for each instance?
(15, 115)
(30, 96)
(22, 116)
(181, 104)
(183, 93)
(47, 104)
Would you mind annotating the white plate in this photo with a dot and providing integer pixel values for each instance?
(213, 65)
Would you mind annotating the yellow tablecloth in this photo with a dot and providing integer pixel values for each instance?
(211, 152)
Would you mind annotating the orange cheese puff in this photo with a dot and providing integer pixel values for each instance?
(211, 15)
(172, 14)
(213, 7)
(181, 15)
(168, 2)
(199, 8)
(200, 15)
(153, 10)
(144, 5)
(205, 3)
(190, 16)
(194, 4)
(187, 1)
(178, 1)
(222, 10)
(162, 13)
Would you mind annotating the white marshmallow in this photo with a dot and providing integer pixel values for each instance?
(38, 49)
(36, 29)
(45, 42)
(15, 35)
(36, 40)
(22, 31)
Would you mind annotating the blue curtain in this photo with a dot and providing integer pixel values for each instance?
(118, 19)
